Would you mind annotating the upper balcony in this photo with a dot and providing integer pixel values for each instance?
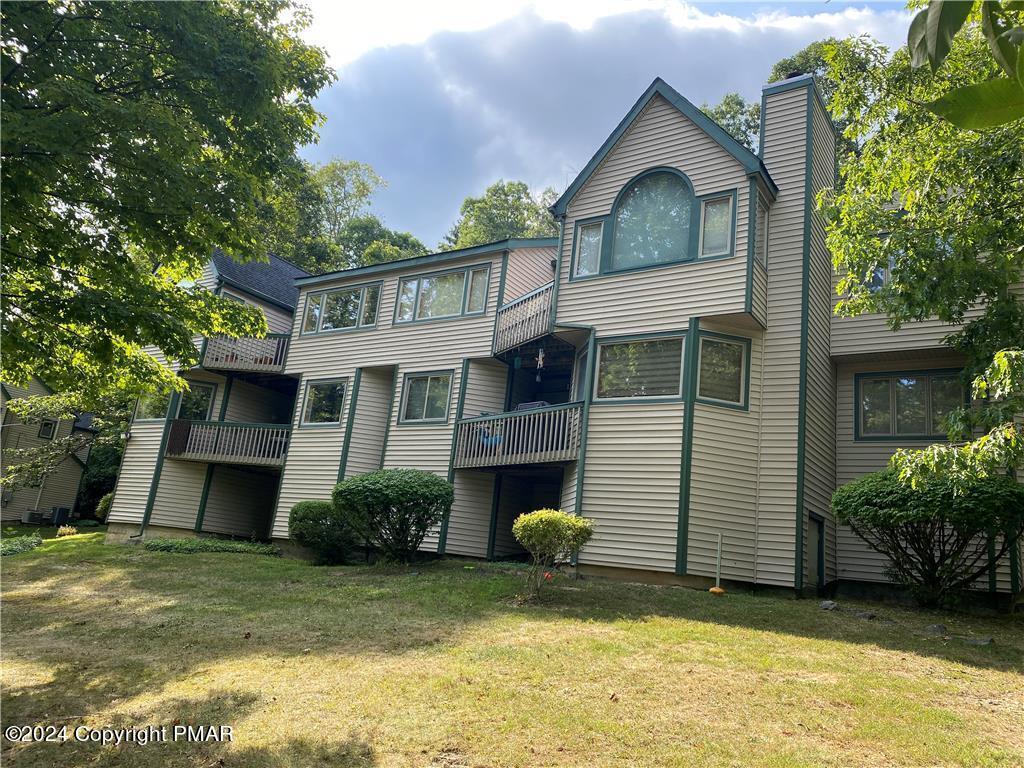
(549, 435)
(265, 355)
(524, 319)
(226, 442)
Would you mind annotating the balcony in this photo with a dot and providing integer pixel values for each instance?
(525, 319)
(549, 435)
(264, 355)
(226, 442)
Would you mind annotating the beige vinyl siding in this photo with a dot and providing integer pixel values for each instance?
(784, 140)
(759, 294)
(240, 502)
(723, 482)
(659, 298)
(136, 473)
(631, 485)
(568, 496)
(820, 416)
(528, 269)
(278, 319)
(371, 419)
(314, 456)
(59, 489)
(250, 404)
(178, 495)
(470, 517)
(485, 389)
(854, 458)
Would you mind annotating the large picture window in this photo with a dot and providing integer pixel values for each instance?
(652, 222)
(446, 294)
(907, 404)
(197, 403)
(323, 402)
(343, 309)
(721, 375)
(643, 368)
(425, 397)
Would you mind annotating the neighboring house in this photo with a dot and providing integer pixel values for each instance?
(59, 488)
(669, 366)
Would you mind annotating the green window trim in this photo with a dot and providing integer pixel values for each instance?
(303, 423)
(729, 199)
(200, 385)
(464, 311)
(435, 422)
(607, 222)
(151, 419)
(595, 364)
(742, 341)
(317, 299)
(858, 381)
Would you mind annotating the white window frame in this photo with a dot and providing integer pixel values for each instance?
(601, 344)
(728, 199)
(742, 402)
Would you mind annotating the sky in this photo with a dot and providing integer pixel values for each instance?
(444, 98)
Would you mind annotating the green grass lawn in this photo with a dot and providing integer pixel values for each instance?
(440, 665)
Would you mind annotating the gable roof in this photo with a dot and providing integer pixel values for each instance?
(273, 280)
(751, 162)
(431, 258)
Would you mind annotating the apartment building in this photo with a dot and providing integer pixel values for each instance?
(668, 366)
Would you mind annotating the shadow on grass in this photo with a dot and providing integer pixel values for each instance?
(106, 623)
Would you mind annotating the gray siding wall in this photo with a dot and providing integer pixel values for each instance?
(784, 142)
(723, 484)
(240, 502)
(528, 269)
(371, 420)
(662, 298)
(759, 294)
(250, 404)
(631, 485)
(136, 472)
(178, 494)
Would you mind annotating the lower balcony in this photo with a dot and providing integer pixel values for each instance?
(226, 442)
(548, 435)
(264, 355)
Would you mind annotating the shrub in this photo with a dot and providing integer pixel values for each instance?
(192, 546)
(14, 545)
(550, 536)
(103, 506)
(318, 526)
(394, 508)
(86, 522)
(936, 535)
(66, 530)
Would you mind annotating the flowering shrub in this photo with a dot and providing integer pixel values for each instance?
(66, 530)
(550, 536)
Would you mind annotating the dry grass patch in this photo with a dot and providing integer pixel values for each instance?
(437, 666)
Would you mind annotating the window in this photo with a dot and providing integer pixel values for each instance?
(197, 403)
(652, 222)
(761, 232)
(47, 429)
(425, 398)
(907, 404)
(324, 400)
(446, 294)
(343, 309)
(648, 368)
(880, 276)
(579, 390)
(152, 405)
(716, 226)
(588, 249)
(721, 375)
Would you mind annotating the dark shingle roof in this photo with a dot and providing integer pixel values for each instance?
(274, 280)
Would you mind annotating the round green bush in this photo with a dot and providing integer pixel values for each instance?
(936, 535)
(550, 536)
(103, 506)
(394, 508)
(317, 525)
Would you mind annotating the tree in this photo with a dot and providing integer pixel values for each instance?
(347, 186)
(364, 240)
(945, 208)
(741, 119)
(506, 209)
(138, 136)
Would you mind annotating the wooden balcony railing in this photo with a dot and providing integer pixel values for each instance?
(525, 319)
(246, 354)
(542, 436)
(228, 442)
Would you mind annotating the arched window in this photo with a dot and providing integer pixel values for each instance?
(652, 221)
